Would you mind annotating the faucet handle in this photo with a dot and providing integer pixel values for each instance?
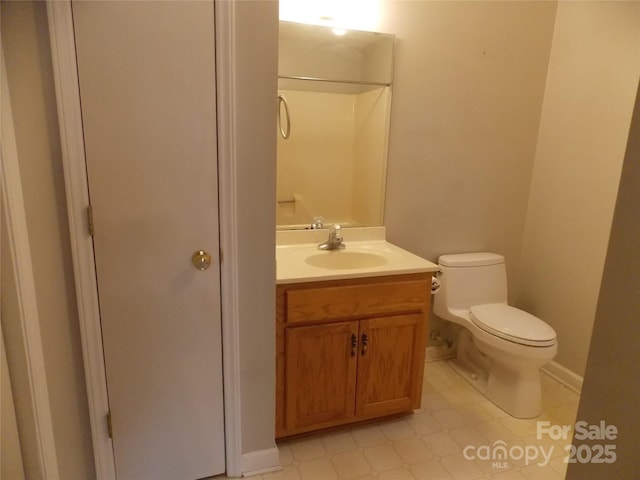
(335, 236)
(317, 222)
(334, 242)
(336, 233)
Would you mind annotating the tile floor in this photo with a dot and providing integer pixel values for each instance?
(431, 444)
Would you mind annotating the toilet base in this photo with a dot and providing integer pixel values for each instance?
(511, 385)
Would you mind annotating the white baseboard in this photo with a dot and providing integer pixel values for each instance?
(260, 462)
(565, 376)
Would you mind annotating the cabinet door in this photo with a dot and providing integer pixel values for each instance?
(320, 368)
(389, 365)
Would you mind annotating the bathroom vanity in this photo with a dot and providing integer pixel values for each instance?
(351, 328)
(351, 323)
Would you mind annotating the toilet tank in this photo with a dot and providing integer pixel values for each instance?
(470, 279)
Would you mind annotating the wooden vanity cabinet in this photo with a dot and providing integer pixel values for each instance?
(349, 350)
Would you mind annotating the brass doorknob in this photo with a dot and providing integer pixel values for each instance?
(201, 260)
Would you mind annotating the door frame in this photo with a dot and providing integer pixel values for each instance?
(12, 205)
(76, 185)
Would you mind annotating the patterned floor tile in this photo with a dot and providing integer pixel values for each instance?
(450, 438)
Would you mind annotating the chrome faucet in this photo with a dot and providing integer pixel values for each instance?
(334, 242)
(317, 222)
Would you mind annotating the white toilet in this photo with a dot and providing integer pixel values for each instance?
(501, 348)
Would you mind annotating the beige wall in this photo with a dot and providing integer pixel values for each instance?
(257, 55)
(611, 388)
(591, 85)
(29, 71)
(477, 161)
(468, 90)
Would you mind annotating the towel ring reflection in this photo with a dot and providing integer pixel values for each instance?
(284, 132)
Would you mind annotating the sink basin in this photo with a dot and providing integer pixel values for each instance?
(366, 255)
(345, 260)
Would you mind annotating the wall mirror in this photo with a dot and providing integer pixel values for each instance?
(334, 101)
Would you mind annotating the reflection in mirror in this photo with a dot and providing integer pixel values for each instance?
(336, 99)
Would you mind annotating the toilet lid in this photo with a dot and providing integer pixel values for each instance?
(513, 324)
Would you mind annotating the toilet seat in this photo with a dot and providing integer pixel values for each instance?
(512, 324)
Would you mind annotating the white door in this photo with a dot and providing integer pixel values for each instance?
(147, 89)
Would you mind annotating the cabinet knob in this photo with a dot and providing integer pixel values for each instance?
(365, 343)
(354, 344)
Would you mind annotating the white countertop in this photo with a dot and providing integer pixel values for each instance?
(294, 261)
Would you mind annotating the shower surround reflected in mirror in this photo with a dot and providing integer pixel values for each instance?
(337, 90)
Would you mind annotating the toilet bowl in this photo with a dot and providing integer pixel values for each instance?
(501, 348)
